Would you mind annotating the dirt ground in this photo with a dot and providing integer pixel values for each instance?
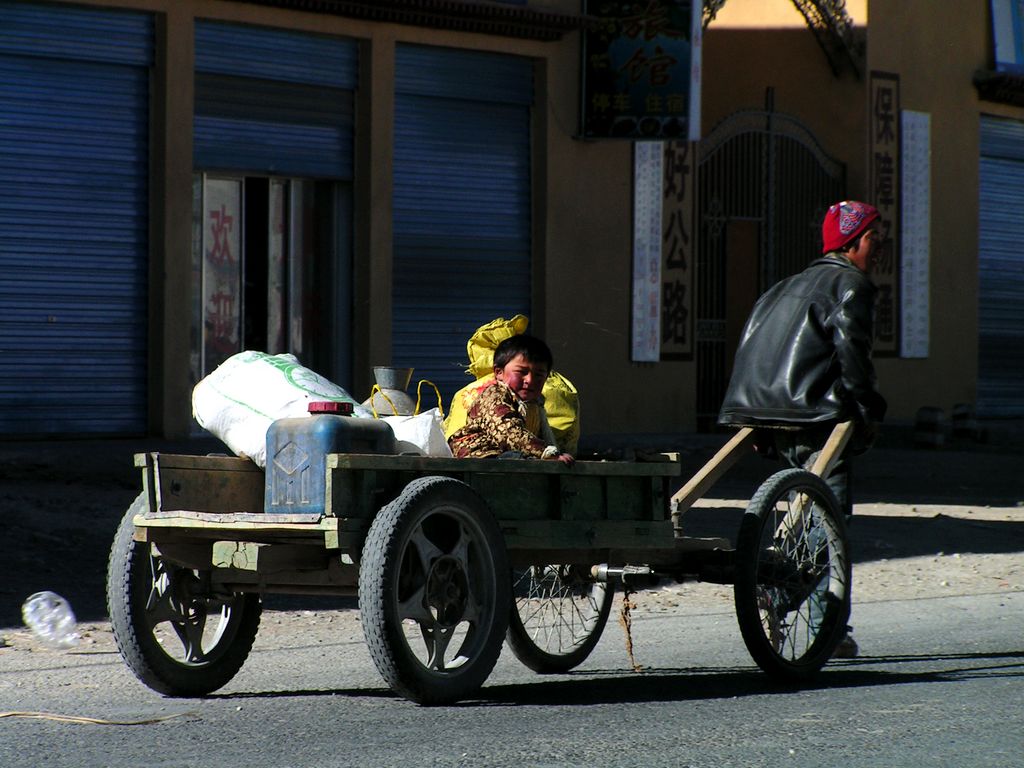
(928, 522)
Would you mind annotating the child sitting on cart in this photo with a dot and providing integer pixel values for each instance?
(507, 417)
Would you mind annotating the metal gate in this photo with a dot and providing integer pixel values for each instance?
(763, 185)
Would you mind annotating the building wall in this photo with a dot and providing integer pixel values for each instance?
(936, 49)
(751, 47)
(583, 189)
(588, 277)
(583, 210)
(172, 182)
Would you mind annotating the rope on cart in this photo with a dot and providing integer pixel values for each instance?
(626, 622)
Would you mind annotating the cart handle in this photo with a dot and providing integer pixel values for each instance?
(710, 473)
(833, 449)
(740, 444)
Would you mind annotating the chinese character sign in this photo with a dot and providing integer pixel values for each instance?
(915, 234)
(647, 233)
(641, 71)
(222, 241)
(677, 246)
(884, 192)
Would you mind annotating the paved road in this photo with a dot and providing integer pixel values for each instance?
(940, 684)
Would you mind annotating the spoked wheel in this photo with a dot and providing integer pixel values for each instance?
(558, 615)
(177, 636)
(793, 576)
(434, 591)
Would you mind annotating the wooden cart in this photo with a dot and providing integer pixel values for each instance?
(428, 546)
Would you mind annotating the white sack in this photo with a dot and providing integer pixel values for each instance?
(249, 391)
(422, 434)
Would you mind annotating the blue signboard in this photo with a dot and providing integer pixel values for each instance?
(640, 69)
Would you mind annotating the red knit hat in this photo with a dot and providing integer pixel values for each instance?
(845, 222)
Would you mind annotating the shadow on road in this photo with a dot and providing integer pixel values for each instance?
(982, 478)
(876, 537)
(699, 684)
(592, 688)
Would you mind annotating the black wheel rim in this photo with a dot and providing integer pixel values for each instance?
(445, 595)
(802, 575)
(190, 628)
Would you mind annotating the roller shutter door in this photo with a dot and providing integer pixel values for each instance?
(1001, 270)
(272, 101)
(462, 208)
(74, 100)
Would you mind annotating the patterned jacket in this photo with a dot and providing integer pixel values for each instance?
(497, 422)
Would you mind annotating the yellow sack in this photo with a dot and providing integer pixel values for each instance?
(561, 400)
(481, 345)
(562, 405)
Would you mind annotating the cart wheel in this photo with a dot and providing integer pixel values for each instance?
(178, 637)
(793, 576)
(434, 590)
(557, 617)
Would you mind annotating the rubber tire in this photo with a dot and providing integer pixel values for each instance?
(754, 561)
(390, 574)
(542, 661)
(129, 585)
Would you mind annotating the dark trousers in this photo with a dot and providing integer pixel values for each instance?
(800, 448)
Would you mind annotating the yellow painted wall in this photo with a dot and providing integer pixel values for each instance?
(935, 49)
(775, 14)
(588, 274)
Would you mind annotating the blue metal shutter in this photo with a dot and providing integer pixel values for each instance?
(272, 101)
(462, 229)
(74, 101)
(1001, 269)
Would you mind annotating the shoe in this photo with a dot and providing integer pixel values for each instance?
(847, 648)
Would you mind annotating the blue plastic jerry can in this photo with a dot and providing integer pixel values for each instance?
(297, 448)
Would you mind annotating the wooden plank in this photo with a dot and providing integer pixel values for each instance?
(428, 466)
(518, 497)
(258, 519)
(539, 535)
(833, 449)
(207, 483)
(252, 524)
(740, 444)
(355, 490)
(208, 462)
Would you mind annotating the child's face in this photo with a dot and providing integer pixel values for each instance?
(523, 377)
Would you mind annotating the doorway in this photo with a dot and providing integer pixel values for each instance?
(763, 186)
(270, 271)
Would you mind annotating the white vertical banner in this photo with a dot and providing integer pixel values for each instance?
(648, 158)
(222, 272)
(915, 237)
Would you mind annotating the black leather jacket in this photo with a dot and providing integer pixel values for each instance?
(805, 353)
